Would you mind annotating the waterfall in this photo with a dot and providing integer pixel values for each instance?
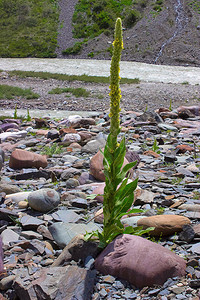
(180, 21)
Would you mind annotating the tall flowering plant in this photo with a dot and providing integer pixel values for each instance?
(118, 193)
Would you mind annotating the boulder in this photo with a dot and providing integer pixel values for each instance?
(96, 166)
(20, 159)
(44, 200)
(164, 224)
(139, 261)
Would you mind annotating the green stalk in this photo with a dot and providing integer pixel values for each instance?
(111, 147)
(118, 193)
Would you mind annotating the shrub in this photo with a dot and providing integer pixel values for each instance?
(9, 92)
(73, 50)
(28, 28)
(131, 18)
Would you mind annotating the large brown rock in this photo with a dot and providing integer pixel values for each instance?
(96, 166)
(139, 261)
(164, 224)
(20, 159)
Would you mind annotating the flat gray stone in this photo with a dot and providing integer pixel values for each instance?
(8, 236)
(66, 216)
(29, 222)
(63, 233)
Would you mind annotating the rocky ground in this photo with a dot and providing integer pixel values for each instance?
(141, 96)
(45, 203)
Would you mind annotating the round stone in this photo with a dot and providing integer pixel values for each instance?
(44, 200)
(23, 204)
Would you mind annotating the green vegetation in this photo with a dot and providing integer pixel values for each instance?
(176, 181)
(77, 92)
(15, 112)
(90, 19)
(73, 50)
(84, 78)
(9, 92)
(54, 149)
(195, 4)
(155, 147)
(28, 28)
(157, 6)
(118, 193)
(28, 118)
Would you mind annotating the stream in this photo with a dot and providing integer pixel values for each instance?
(181, 21)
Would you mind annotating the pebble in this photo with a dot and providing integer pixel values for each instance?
(168, 180)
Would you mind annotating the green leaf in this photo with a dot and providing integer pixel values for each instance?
(140, 231)
(125, 205)
(108, 155)
(88, 235)
(132, 211)
(128, 230)
(124, 171)
(92, 196)
(125, 191)
(119, 156)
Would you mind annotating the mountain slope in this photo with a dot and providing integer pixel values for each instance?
(171, 36)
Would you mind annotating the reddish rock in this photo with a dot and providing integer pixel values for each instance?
(96, 166)
(170, 115)
(85, 136)
(162, 109)
(63, 131)
(132, 156)
(164, 224)
(20, 159)
(151, 153)
(195, 109)
(98, 189)
(139, 261)
(183, 148)
(39, 123)
(75, 146)
(42, 132)
(83, 122)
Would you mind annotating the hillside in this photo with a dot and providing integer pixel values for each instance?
(167, 32)
(155, 31)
